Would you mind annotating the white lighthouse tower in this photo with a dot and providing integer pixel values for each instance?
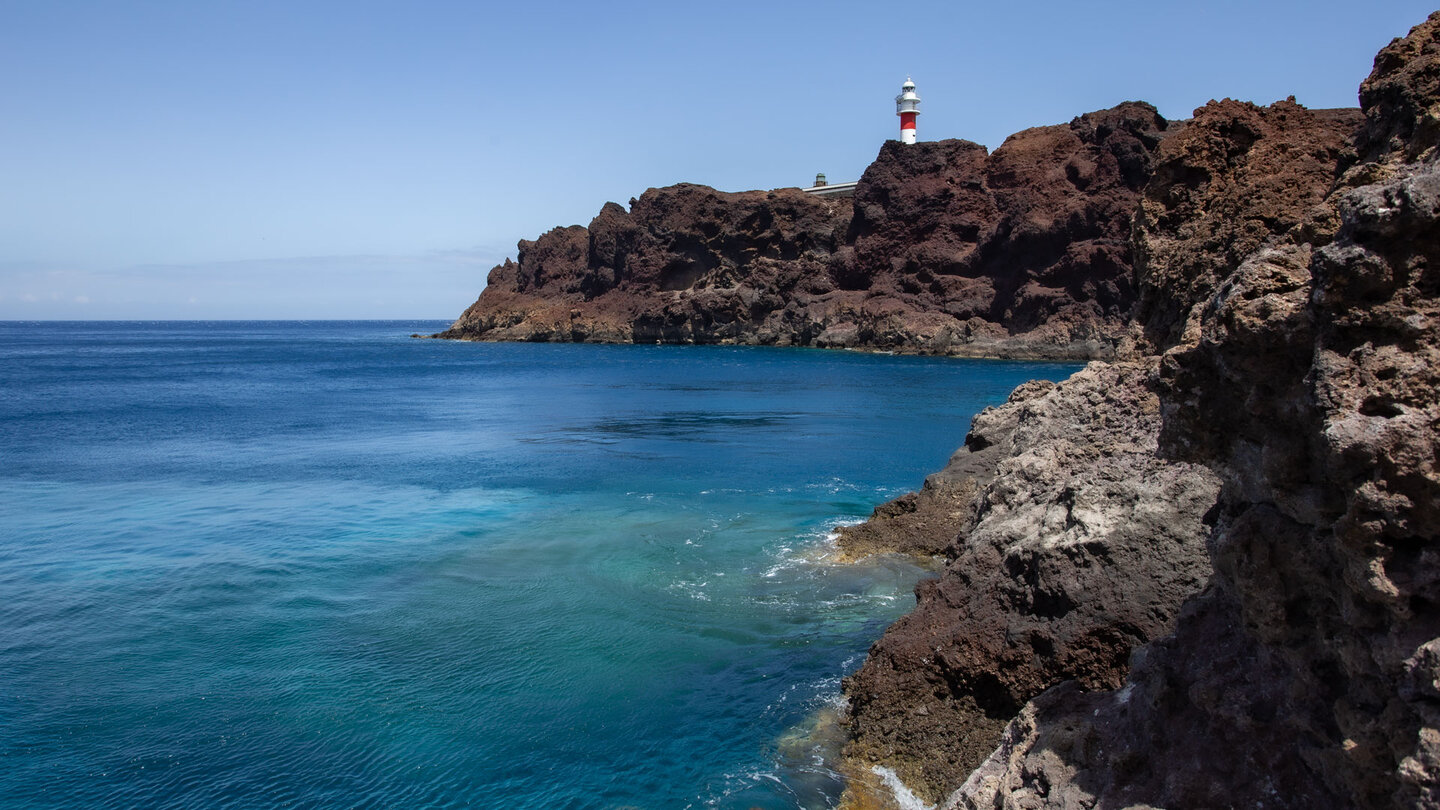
(907, 106)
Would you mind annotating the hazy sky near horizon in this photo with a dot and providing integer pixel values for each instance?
(366, 159)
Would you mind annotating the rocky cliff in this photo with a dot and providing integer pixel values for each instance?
(1286, 328)
(944, 249)
(1081, 547)
(1200, 573)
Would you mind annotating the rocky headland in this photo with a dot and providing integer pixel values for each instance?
(944, 249)
(1203, 572)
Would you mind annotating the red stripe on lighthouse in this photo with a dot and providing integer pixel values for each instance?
(907, 120)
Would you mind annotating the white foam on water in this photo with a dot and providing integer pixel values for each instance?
(741, 781)
(833, 486)
(816, 549)
(832, 537)
(694, 589)
(903, 797)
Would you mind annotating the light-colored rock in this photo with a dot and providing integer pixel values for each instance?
(1082, 546)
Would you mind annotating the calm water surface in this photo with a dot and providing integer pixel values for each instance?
(325, 565)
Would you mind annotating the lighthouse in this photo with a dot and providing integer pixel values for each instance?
(907, 106)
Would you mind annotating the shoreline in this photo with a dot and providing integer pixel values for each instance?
(1022, 351)
(1224, 525)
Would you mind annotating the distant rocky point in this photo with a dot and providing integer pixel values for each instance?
(943, 249)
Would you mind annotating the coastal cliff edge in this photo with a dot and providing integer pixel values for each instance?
(1200, 573)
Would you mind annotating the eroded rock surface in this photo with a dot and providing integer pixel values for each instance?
(686, 264)
(1082, 547)
(1306, 674)
(928, 522)
(1235, 178)
(1238, 207)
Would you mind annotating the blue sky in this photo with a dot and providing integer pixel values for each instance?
(374, 159)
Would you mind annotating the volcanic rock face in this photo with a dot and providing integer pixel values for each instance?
(1232, 179)
(1023, 605)
(1034, 237)
(1023, 253)
(685, 264)
(1082, 547)
(1307, 673)
(926, 523)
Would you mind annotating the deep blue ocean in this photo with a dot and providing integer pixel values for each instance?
(288, 564)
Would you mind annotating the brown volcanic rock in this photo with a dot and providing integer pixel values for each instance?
(1308, 674)
(1082, 548)
(1019, 253)
(1066, 241)
(941, 684)
(918, 523)
(919, 208)
(686, 264)
(1402, 124)
(1236, 177)
(1037, 230)
(927, 523)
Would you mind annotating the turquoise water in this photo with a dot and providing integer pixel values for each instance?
(325, 565)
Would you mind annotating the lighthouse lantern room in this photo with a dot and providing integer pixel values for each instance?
(907, 106)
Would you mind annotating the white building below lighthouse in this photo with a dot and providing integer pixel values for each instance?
(907, 106)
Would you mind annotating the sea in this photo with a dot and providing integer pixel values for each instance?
(325, 564)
